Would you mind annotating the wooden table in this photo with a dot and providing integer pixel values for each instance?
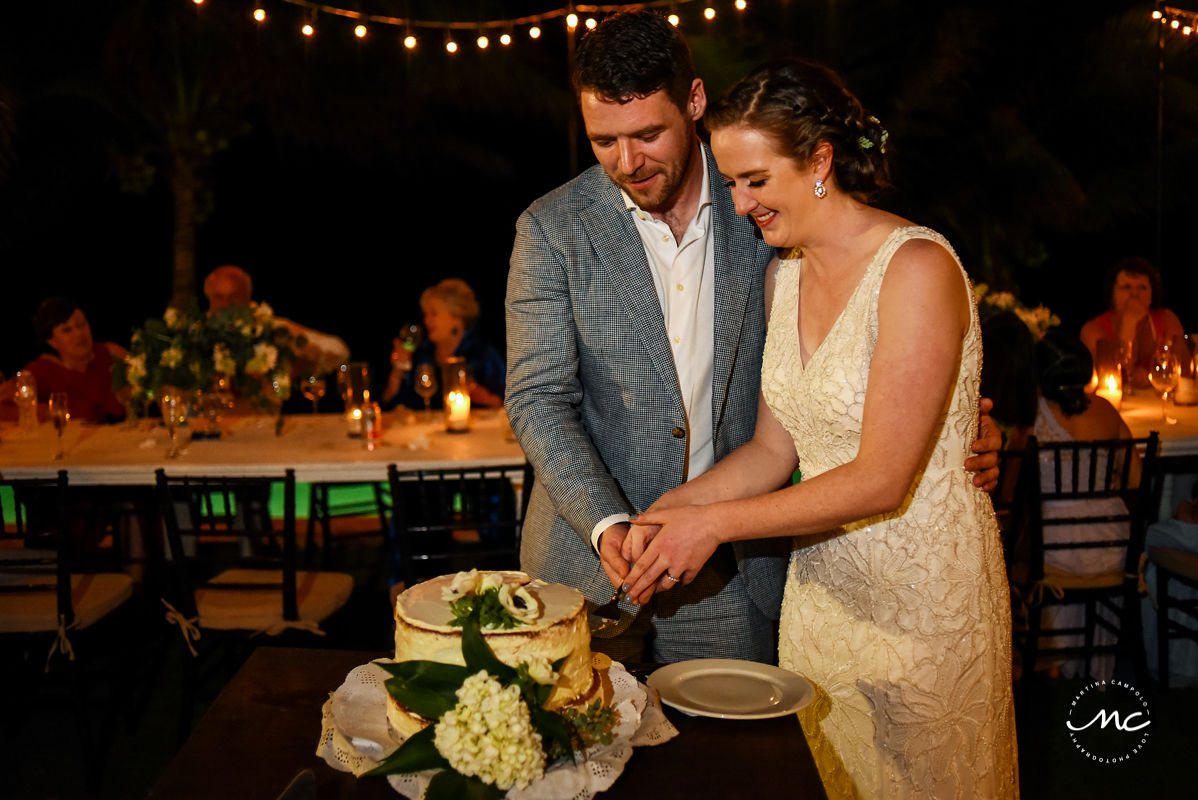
(1142, 413)
(316, 445)
(264, 727)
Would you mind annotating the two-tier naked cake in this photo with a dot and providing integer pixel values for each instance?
(554, 627)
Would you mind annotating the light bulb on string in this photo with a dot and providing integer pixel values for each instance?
(259, 15)
(1174, 24)
(534, 32)
(483, 42)
(360, 31)
(409, 42)
(308, 30)
(451, 46)
(591, 23)
(673, 20)
(198, 2)
(741, 5)
(505, 39)
(571, 21)
(709, 13)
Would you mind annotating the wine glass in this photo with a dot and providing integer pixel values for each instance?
(410, 335)
(59, 414)
(173, 407)
(1164, 375)
(314, 388)
(25, 396)
(1127, 360)
(425, 381)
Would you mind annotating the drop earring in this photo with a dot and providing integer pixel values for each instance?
(821, 191)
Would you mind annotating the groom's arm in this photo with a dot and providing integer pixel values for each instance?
(544, 390)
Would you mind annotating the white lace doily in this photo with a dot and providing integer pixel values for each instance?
(355, 736)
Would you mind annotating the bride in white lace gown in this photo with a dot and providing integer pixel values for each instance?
(896, 606)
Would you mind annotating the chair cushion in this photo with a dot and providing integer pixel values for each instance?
(93, 597)
(318, 595)
(1179, 562)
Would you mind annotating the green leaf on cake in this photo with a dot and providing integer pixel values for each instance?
(427, 688)
(478, 653)
(491, 613)
(416, 754)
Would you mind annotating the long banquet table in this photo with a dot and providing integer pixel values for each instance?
(315, 445)
(263, 729)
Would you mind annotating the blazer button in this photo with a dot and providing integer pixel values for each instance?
(678, 433)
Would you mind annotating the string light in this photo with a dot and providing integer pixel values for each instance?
(1178, 19)
(533, 23)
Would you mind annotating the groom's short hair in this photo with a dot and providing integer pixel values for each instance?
(632, 55)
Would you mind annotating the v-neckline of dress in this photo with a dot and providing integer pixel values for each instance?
(806, 358)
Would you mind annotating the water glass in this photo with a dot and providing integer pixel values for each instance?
(60, 414)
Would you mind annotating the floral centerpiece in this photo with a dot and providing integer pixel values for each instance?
(238, 349)
(1038, 319)
(490, 729)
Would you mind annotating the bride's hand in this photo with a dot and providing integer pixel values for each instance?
(685, 539)
(638, 538)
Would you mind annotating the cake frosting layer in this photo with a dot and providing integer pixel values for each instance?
(423, 632)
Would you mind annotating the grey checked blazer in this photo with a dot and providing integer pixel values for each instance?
(592, 392)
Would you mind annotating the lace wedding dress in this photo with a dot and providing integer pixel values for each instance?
(902, 622)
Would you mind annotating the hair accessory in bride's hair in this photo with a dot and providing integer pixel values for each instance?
(866, 143)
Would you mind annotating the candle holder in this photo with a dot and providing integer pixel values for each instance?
(456, 382)
(1110, 385)
(354, 381)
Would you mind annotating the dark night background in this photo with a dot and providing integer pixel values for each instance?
(348, 175)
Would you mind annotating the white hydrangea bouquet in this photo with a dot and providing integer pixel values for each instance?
(1038, 319)
(239, 347)
(490, 731)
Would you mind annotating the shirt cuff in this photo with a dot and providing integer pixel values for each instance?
(603, 525)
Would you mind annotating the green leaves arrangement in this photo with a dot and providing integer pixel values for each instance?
(241, 346)
(430, 689)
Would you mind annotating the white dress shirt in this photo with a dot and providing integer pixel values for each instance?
(684, 277)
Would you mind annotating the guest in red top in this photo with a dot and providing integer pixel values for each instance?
(1135, 318)
(77, 365)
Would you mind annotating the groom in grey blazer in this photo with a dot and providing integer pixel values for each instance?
(593, 391)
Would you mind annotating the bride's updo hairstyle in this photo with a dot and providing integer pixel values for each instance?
(800, 104)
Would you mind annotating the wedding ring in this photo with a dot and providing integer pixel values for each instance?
(670, 577)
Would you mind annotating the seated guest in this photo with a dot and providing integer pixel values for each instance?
(229, 285)
(74, 363)
(450, 312)
(1008, 351)
(1068, 413)
(1135, 318)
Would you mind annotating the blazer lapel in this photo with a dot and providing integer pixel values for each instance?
(620, 252)
(735, 251)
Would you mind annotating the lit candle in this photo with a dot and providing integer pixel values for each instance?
(353, 420)
(457, 411)
(1187, 391)
(1110, 386)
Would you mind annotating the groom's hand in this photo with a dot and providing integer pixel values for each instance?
(611, 542)
(989, 442)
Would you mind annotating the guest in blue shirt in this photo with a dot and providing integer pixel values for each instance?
(450, 313)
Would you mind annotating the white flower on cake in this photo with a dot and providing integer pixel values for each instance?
(492, 580)
(520, 603)
(541, 671)
(463, 583)
(489, 734)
